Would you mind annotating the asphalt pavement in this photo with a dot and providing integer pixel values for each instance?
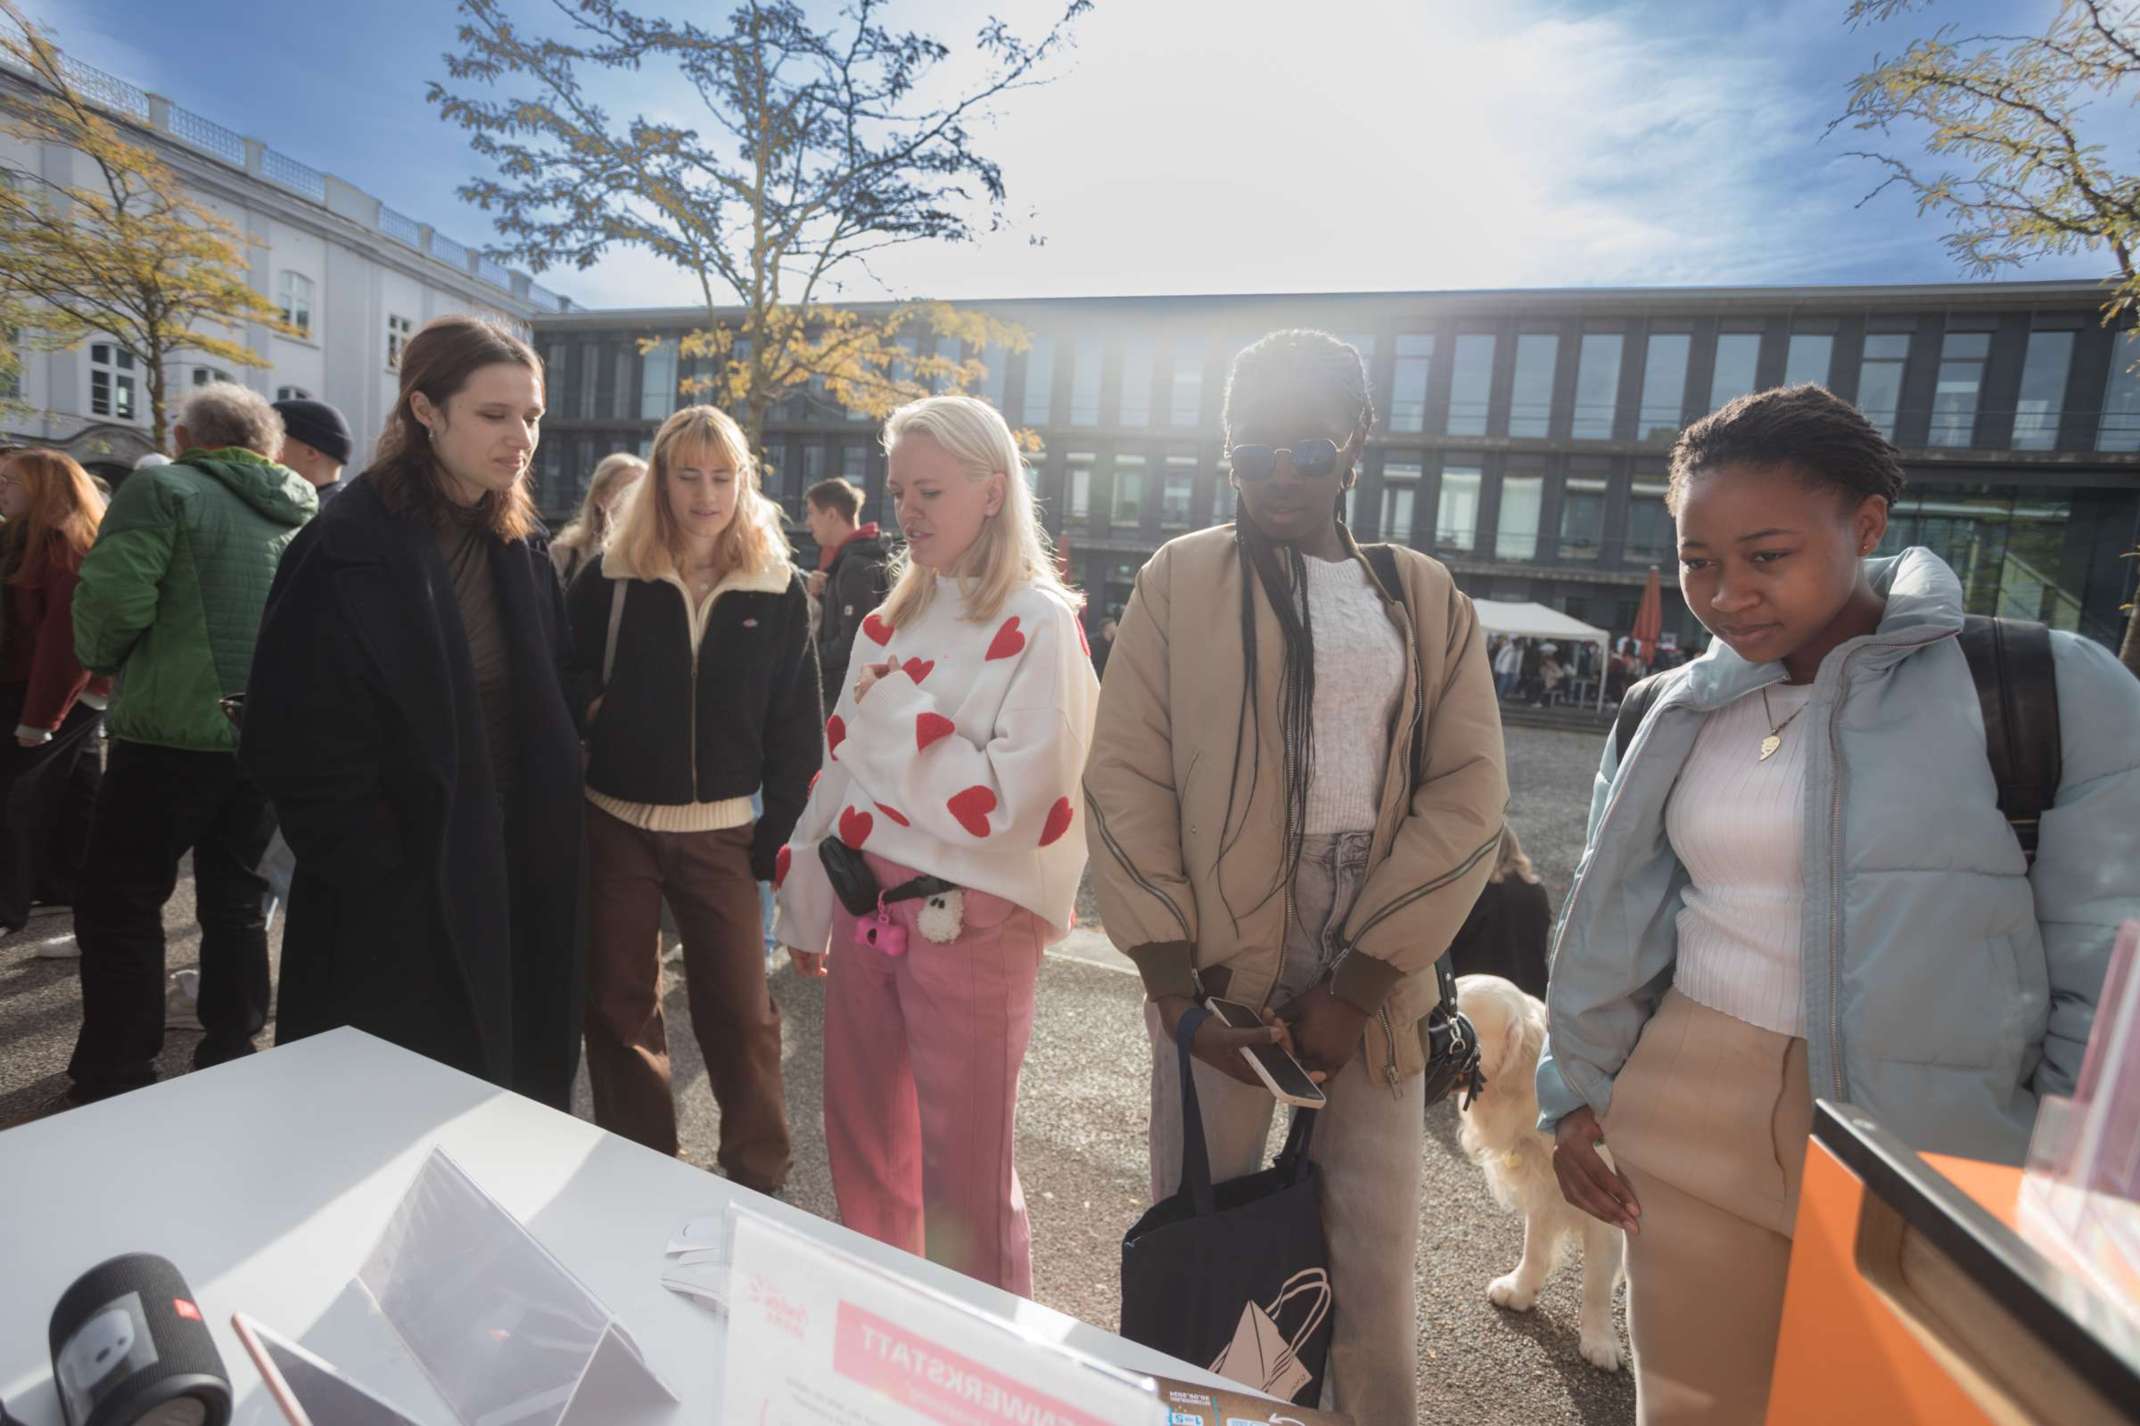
(1081, 1132)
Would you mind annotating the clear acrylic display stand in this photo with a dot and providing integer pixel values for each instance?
(505, 1332)
(2080, 1196)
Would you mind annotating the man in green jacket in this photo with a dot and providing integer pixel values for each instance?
(170, 599)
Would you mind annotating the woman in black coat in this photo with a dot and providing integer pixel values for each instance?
(407, 716)
(1510, 926)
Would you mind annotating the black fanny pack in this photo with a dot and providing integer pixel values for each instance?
(856, 885)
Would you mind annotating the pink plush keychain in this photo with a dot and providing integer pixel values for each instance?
(883, 934)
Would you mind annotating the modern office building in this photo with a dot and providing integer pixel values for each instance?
(355, 277)
(1520, 436)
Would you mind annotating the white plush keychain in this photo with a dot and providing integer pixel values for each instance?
(943, 916)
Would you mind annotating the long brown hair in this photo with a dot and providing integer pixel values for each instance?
(64, 513)
(438, 361)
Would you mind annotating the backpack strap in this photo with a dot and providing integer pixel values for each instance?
(2017, 686)
(616, 618)
(1382, 560)
(1635, 705)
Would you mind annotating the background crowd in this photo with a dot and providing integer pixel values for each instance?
(483, 769)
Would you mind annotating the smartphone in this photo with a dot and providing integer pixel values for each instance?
(1280, 1072)
(309, 1391)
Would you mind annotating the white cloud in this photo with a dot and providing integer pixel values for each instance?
(1269, 146)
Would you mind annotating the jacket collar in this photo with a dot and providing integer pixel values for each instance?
(771, 577)
(1924, 605)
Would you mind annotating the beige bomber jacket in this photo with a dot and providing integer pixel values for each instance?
(1182, 888)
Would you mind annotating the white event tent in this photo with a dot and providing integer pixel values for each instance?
(1535, 621)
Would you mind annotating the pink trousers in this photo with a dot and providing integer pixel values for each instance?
(922, 1054)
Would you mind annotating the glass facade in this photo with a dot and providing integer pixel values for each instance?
(1582, 518)
(1737, 355)
(1414, 367)
(1664, 386)
(1516, 533)
(997, 363)
(1530, 398)
(1961, 381)
(1077, 486)
(2119, 428)
(1809, 357)
(1039, 381)
(1135, 424)
(1128, 507)
(1185, 401)
(1456, 520)
(2014, 549)
(1471, 384)
(1400, 493)
(657, 382)
(1880, 379)
(1597, 386)
(1650, 533)
(1135, 405)
(1085, 359)
(2043, 390)
(1177, 491)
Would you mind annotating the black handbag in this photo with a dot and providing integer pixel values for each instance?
(1235, 1276)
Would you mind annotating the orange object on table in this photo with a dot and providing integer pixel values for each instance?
(1912, 1300)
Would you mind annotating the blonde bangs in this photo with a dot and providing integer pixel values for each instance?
(646, 537)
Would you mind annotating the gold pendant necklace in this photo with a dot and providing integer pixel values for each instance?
(1774, 740)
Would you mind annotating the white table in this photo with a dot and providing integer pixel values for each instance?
(268, 1180)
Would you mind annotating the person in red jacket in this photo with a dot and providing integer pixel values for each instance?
(52, 512)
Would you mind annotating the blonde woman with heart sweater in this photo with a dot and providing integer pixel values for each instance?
(954, 753)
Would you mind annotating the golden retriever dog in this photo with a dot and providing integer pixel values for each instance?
(1500, 1133)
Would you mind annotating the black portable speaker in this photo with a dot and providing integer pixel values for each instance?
(130, 1348)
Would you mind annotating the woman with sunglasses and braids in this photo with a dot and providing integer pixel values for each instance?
(1295, 794)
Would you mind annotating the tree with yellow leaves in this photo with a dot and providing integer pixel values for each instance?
(819, 152)
(127, 255)
(2034, 176)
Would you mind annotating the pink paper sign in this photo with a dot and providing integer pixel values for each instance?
(928, 1378)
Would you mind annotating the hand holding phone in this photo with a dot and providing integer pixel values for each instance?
(1273, 1063)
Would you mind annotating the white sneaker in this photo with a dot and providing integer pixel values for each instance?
(58, 948)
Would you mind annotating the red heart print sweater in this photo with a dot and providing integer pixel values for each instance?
(967, 762)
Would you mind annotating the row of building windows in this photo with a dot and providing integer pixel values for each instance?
(1151, 389)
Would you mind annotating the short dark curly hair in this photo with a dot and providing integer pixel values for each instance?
(1808, 429)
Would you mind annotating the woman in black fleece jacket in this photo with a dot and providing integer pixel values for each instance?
(692, 657)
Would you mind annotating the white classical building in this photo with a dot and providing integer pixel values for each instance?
(354, 276)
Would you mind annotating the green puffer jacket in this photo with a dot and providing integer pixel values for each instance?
(172, 593)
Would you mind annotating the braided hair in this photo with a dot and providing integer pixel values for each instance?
(1302, 370)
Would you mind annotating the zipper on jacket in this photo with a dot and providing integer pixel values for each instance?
(1835, 871)
(1389, 1037)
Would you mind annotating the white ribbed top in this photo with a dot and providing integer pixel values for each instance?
(1738, 824)
(1359, 676)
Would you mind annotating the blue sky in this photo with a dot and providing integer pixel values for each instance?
(1251, 145)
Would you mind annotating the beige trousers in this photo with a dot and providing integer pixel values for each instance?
(1709, 1122)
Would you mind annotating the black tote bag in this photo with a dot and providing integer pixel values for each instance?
(1234, 1277)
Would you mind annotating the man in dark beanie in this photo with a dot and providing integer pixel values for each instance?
(316, 444)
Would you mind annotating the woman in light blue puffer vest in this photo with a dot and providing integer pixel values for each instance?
(1800, 885)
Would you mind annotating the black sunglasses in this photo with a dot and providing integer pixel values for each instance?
(1313, 458)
